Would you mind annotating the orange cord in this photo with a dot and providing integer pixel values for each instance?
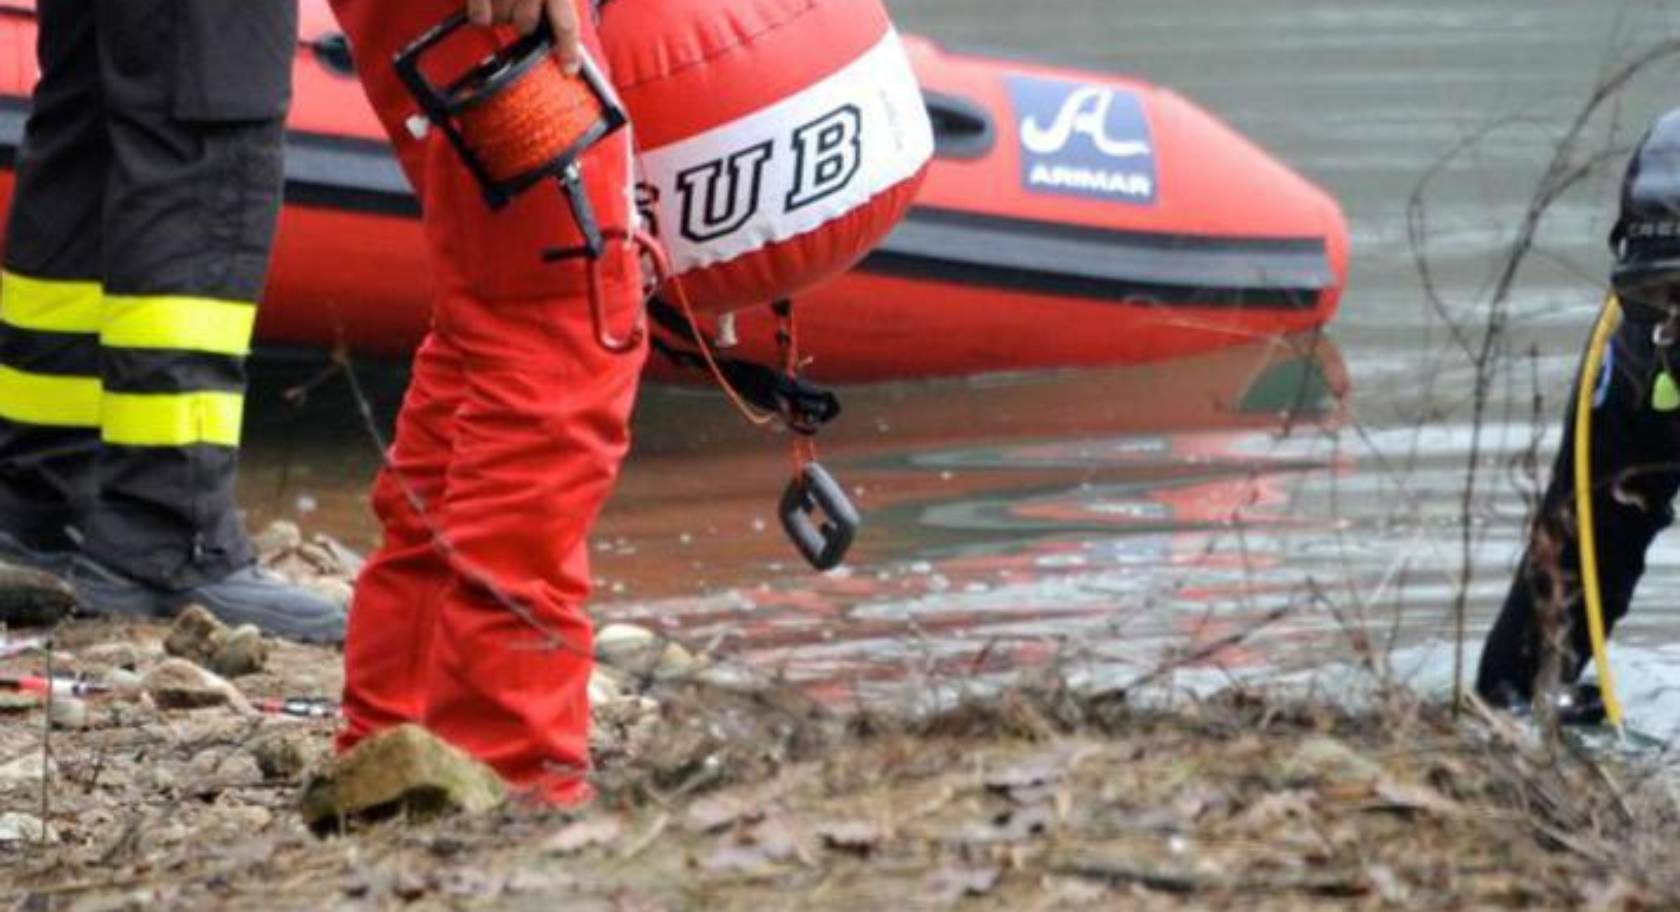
(804, 449)
(664, 277)
(787, 337)
(530, 123)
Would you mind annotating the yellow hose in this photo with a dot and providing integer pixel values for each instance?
(1608, 319)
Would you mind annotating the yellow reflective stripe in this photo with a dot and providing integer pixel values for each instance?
(48, 399)
(175, 322)
(50, 305)
(171, 419)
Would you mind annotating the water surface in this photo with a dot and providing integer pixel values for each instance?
(1231, 511)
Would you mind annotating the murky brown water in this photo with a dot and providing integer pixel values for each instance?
(1109, 516)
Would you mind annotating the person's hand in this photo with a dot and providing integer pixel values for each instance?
(524, 15)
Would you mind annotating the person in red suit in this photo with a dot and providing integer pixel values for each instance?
(469, 618)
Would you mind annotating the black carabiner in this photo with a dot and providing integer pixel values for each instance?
(823, 545)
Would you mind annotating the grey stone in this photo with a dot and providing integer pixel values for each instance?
(640, 651)
(196, 634)
(675, 661)
(12, 703)
(627, 646)
(405, 770)
(320, 558)
(122, 681)
(67, 712)
(285, 755)
(33, 598)
(281, 537)
(111, 655)
(28, 769)
(242, 652)
(161, 778)
(345, 558)
(179, 684)
(606, 685)
(17, 828)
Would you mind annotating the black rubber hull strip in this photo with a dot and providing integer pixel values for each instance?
(935, 245)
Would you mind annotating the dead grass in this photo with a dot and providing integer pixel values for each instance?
(1039, 799)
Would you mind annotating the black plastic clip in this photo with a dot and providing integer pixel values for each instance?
(822, 540)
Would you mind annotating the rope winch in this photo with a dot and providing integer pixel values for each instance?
(516, 120)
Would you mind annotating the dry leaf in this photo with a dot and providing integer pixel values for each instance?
(715, 812)
(735, 858)
(950, 885)
(859, 836)
(584, 834)
(1392, 795)
(781, 840)
(1045, 769)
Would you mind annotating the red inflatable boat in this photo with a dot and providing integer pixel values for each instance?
(1069, 219)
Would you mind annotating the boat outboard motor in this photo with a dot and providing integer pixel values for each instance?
(1646, 239)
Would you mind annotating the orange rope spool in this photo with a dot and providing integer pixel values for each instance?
(530, 123)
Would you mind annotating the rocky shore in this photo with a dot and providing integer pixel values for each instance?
(187, 766)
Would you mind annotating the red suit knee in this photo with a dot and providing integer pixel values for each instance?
(469, 618)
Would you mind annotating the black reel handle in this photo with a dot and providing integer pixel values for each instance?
(819, 518)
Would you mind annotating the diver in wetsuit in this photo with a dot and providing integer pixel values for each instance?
(1635, 440)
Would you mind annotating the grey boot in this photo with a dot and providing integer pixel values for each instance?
(250, 595)
(253, 595)
(15, 552)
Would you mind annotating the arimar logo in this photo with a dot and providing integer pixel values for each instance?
(1084, 140)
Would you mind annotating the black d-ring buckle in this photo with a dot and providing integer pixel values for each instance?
(823, 546)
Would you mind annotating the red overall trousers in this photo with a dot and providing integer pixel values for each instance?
(469, 619)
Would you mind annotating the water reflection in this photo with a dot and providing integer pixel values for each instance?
(1104, 518)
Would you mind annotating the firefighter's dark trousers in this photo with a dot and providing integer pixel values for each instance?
(1636, 473)
(148, 189)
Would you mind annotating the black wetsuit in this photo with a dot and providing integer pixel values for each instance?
(1636, 473)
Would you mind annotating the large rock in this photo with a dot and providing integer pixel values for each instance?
(179, 684)
(32, 598)
(405, 770)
